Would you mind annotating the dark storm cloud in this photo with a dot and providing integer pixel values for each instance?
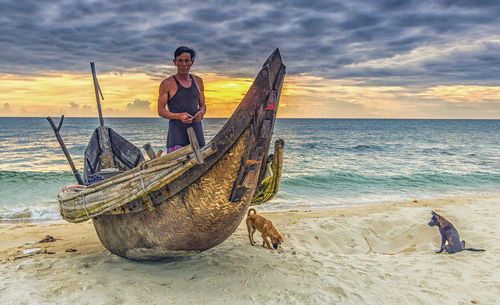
(358, 21)
(387, 42)
(213, 15)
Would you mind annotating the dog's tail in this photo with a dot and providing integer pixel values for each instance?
(250, 210)
(471, 249)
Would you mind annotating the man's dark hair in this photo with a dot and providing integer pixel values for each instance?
(184, 49)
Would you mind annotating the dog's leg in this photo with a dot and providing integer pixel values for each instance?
(250, 233)
(265, 242)
(443, 241)
(253, 232)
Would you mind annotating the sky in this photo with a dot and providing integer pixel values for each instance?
(345, 59)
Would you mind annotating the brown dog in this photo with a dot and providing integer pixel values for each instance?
(264, 226)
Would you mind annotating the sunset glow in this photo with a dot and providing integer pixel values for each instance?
(135, 95)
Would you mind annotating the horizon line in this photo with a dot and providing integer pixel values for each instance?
(287, 118)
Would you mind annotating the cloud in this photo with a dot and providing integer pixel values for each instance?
(6, 108)
(356, 99)
(466, 94)
(139, 107)
(323, 38)
(449, 62)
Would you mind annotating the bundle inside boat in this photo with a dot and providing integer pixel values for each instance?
(80, 203)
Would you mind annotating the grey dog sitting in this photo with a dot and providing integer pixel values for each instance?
(450, 240)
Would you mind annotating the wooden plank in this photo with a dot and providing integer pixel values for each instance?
(196, 146)
(107, 156)
(249, 179)
(273, 100)
(265, 130)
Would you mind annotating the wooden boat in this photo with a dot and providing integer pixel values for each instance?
(186, 201)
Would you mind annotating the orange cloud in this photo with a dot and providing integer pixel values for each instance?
(316, 97)
(465, 94)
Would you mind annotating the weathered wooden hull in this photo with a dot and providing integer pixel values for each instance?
(200, 209)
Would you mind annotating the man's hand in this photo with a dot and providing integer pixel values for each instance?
(185, 117)
(198, 116)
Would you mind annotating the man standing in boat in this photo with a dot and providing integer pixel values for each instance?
(183, 95)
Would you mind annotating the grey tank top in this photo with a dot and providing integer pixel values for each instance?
(184, 100)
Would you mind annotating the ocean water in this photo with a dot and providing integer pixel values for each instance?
(327, 162)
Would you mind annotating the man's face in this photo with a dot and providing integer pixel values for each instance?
(183, 62)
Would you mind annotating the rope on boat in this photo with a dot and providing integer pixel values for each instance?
(85, 205)
(145, 198)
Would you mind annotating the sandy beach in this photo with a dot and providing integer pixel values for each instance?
(377, 254)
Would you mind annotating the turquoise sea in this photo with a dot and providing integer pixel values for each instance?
(327, 162)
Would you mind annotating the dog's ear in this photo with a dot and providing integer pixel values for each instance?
(434, 214)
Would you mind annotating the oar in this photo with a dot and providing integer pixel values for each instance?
(66, 153)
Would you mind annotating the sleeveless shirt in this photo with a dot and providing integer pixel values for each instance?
(184, 100)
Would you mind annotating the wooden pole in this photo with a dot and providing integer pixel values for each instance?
(66, 153)
(196, 146)
(149, 150)
(107, 156)
(97, 89)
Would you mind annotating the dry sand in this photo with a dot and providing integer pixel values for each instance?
(382, 254)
